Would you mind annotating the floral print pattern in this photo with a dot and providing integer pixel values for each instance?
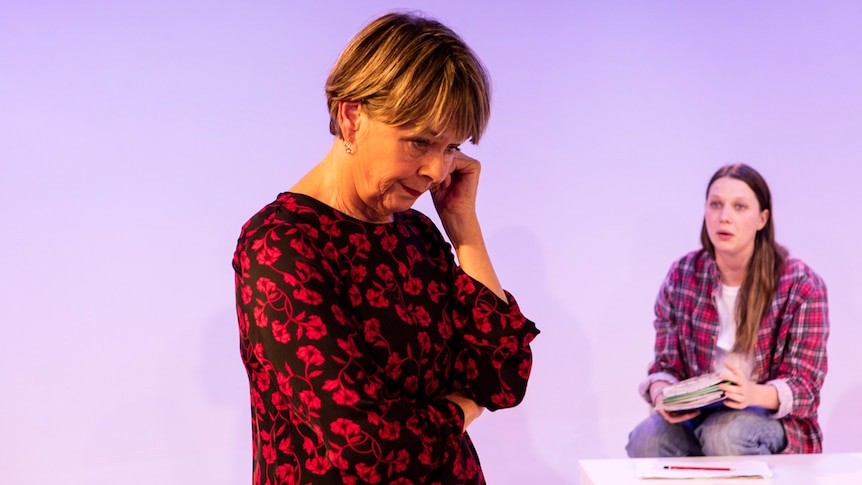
(353, 333)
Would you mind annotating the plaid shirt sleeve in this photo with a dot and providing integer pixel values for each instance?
(684, 322)
(667, 365)
(796, 355)
(804, 363)
(668, 359)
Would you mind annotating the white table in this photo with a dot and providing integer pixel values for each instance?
(824, 469)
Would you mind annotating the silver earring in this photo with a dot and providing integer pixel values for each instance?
(348, 147)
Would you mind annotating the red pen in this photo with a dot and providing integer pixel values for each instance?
(707, 468)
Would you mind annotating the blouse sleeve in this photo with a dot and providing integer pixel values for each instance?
(305, 358)
(667, 364)
(494, 365)
(803, 364)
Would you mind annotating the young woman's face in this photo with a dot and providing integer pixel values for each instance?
(394, 165)
(733, 217)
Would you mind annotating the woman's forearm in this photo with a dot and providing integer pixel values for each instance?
(473, 257)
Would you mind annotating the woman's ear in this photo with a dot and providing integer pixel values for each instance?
(349, 118)
(764, 217)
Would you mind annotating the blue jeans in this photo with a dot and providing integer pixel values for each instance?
(719, 432)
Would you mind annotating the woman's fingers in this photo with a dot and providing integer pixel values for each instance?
(675, 418)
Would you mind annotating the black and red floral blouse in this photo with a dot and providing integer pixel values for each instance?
(352, 333)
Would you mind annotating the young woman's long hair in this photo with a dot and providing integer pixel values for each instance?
(764, 268)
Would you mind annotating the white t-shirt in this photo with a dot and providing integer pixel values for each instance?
(725, 303)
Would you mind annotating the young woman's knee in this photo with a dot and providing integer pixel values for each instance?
(740, 433)
(655, 437)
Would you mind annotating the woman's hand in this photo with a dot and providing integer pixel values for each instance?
(455, 198)
(674, 418)
(655, 393)
(742, 392)
(738, 390)
(455, 201)
(468, 406)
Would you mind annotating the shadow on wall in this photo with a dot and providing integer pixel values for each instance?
(658, 238)
(540, 440)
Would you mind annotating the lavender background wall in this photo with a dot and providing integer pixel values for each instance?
(137, 137)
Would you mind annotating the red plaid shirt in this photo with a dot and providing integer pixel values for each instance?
(791, 343)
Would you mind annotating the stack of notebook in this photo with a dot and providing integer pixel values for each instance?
(690, 394)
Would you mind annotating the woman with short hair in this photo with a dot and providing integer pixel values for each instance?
(369, 351)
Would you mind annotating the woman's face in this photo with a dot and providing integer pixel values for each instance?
(733, 217)
(393, 166)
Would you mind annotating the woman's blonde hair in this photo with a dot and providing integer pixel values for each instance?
(764, 268)
(409, 70)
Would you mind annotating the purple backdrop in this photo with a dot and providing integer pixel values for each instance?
(137, 137)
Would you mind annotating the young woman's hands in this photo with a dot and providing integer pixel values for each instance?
(655, 392)
(741, 392)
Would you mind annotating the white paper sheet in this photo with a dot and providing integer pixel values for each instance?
(669, 468)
